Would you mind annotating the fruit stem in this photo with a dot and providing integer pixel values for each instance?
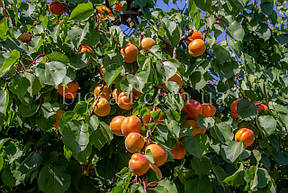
(185, 36)
(97, 99)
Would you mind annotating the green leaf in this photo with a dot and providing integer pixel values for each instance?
(4, 100)
(101, 135)
(75, 135)
(281, 158)
(81, 107)
(57, 56)
(82, 11)
(35, 85)
(268, 124)
(3, 28)
(237, 178)
(224, 132)
(260, 180)
(54, 179)
(198, 185)
(53, 74)
(236, 31)
(7, 178)
(196, 145)
(31, 162)
(173, 31)
(111, 73)
(19, 86)
(222, 55)
(246, 109)
(168, 185)
(205, 123)
(232, 150)
(12, 59)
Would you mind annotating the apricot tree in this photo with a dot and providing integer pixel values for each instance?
(199, 96)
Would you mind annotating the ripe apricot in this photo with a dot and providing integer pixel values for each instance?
(195, 35)
(59, 114)
(25, 37)
(147, 43)
(115, 94)
(197, 47)
(115, 125)
(134, 142)
(102, 70)
(233, 108)
(102, 108)
(208, 110)
(138, 164)
(124, 102)
(85, 49)
(261, 107)
(130, 52)
(177, 78)
(106, 93)
(196, 129)
(159, 153)
(118, 7)
(246, 136)
(131, 124)
(146, 118)
(178, 150)
(192, 108)
(56, 7)
(69, 92)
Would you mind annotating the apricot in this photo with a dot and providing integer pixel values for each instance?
(138, 164)
(56, 7)
(197, 47)
(25, 37)
(192, 108)
(178, 150)
(102, 108)
(136, 93)
(208, 110)
(246, 136)
(134, 142)
(131, 124)
(115, 94)
(130, 52)
(69, 92)
(159, 153)
(106, 93)
(233, 108)
(183, 94)
(177, 78)
(115, 125)
(118, 7)
(147, 43)
(156, 170)
(59, 114)
(102, 70)
(261, 107)
(195, 35)
(124, 102)
(85, 49)
(146, 118)
(196, 129)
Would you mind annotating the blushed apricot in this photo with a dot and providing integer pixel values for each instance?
(102, 108)
(115, 125)
(138, 164)
(134, 142)
(147, 43)
(106, 93)
(208, 110)
(69, 92)
(196, 129)
(124, 102)
(130, 52)
(131, 124)
(118, 7)
(159, 153)
(197, 47)
(178, 150)
(261, 107)
(233, 108)
(246, 136)
(192, 108)
(85, 49)
(146, 118)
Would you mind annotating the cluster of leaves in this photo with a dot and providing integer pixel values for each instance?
(83, 155)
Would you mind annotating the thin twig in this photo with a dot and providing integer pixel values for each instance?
(141, 38)
(185, 36)
(238, 87)
(97, 100)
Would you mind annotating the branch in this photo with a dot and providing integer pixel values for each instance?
(185, 36)
(97, 99)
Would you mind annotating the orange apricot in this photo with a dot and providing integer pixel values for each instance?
(115, 94)
(85, 49)
(130, 52)
(131, 124)
(159, 153)
(118, 7)
(146, 118)
(192, 108)
(102, 70)
(233, 108)
(196, 129)
(69, 92)
(246, 136)
(197, 47)
(147, 43)
(115, 125)
(208, 110)
(261, 107)
(102, 108)
(138, 164)
(56, 7)
(124, 102)
(178, 150)
(134, 142)
(106, 93)
(59, 114)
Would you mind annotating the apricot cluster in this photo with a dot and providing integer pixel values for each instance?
(196, 43)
